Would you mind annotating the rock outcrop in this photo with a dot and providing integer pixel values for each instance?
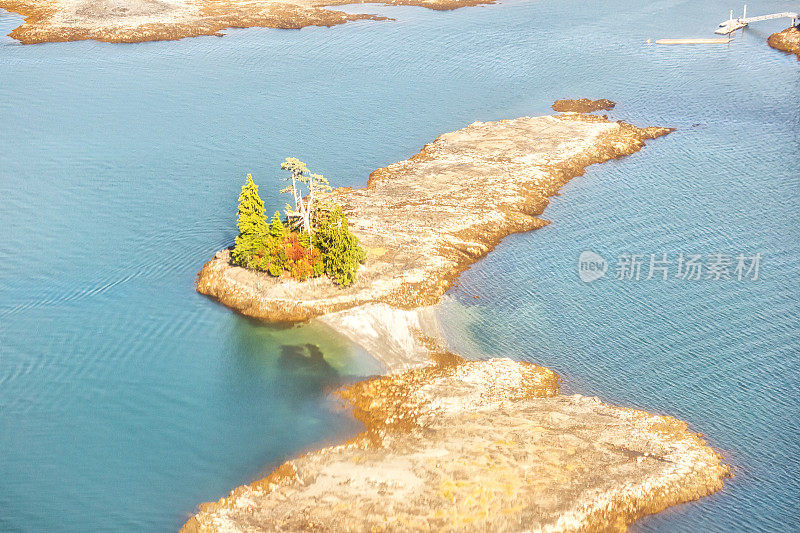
(478, 446)
(787, 40)
(424, 220)
(129, 21)
(451, 444)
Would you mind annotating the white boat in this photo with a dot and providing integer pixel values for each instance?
(730, 26)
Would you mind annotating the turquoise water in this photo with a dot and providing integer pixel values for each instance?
(126, 398)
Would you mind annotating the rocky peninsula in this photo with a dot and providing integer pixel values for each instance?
(131, 21)
(424, 220)
(787, 40)
(478, 446)
(449, 443)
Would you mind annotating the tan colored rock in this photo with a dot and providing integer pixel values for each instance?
(451, 444)
(582, 105)
(425, 220)
(787, 40)
(127, 21)
(478, 446)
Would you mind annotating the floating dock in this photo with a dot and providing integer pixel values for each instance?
(725, 40)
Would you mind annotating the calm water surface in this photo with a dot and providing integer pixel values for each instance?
(126, 398)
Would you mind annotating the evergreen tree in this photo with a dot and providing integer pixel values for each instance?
(252, 225)
(341, 251)
(276, 228)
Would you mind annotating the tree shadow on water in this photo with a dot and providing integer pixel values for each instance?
(307, 360)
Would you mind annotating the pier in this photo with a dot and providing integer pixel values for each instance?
(733, 24)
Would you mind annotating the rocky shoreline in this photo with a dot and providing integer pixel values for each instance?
(478, 446)
(787, 40)
(449, 443)
(133, 21)
(425, 220)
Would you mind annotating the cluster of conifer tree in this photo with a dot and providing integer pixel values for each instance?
(304, 249)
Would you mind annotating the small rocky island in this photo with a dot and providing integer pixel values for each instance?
(787, 40)
(582, 105)
(131, 21)
(424, 220)
(448, 443)
(478, 446)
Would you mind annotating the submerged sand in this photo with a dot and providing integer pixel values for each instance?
(127, 21)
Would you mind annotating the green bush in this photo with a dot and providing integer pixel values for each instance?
(340, 249)
(304, 239)
(287, 254)
(271, 257)
(317, 264)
